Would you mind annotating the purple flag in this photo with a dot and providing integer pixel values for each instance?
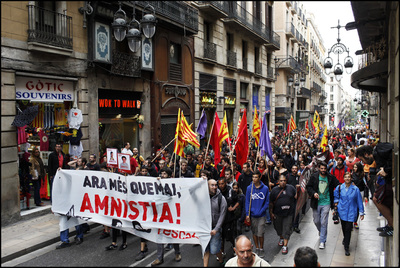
(265, 142)
(341, 124)
(202, 126)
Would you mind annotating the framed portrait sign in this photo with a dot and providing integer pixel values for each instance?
(102, 42)
(112, 160)
(147, 54)
(124, 162)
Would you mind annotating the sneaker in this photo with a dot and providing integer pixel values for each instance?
(140, 256)
(63, 245)
(385, 228)
(296, 229)
(280, 242)
(105, 235)
(386, 233)
(268, 222)
(178, 257)
(356, 225)
(156, 262)
(346, 252)
(123, 246)
(262, 253)
(111, 247)
(321, 245)
(284, 250)
(78, 241)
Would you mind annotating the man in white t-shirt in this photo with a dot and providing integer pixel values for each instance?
(126, 149)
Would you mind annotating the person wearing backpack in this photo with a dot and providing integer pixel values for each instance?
(340, 169)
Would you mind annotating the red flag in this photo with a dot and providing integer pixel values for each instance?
(242, 141)
(214, 139)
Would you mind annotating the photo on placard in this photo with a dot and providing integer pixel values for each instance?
(124, 162)
(112, 154)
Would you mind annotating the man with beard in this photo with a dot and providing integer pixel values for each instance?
(92, 165)
(245, 257)
(209, 167)
(139, 158)
(245, 178)
(320, 189)
(293, 179)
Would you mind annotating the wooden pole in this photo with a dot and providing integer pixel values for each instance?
(208, 144)
(163, 149)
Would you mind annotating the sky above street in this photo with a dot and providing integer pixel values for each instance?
(326, 15)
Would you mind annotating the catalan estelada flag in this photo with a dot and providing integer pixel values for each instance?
(256, 127)
(307, 129)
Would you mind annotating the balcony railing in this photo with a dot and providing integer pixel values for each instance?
(290, 30)
(231, 58)
(49, 27)
(177, 11)
(125, 64)
(270, 73)
(239, 13)
(244, 64)
(258, 68)
(210, 50)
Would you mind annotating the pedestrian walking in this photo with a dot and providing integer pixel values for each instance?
(320, 189)
(349, 204)
(257, 201)
(218, 211)
(282, 209)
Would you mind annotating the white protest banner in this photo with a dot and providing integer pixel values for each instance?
(163, 211)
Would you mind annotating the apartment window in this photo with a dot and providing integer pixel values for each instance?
(332, 107)
(229, 86)
(331, 99)
(244, 54)
(208, 82)
(331, 88)
(256, 90)
(207, 31)
(257, 9)
(175, 67)
(243, 90)
(331, 79)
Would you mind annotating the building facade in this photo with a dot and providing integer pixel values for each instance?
(63, 55)
(292, 97)
(234, 61)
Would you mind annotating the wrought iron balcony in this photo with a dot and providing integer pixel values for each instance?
(125, 64)
(210, 51)
(231, 58)
(258, 68)
(305, 93)
(290, 30)
(270, 73)
(215, 9)
(179, 12)
(49, 27)
(238, 16)
(244, 64)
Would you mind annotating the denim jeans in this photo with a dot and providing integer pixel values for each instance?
(321, 217)
(268, 215)
(64, 235)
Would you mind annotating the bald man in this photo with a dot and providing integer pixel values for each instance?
(245, 257)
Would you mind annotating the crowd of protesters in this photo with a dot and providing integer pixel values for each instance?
(264, 191)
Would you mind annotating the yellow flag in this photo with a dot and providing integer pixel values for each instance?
(324, 141)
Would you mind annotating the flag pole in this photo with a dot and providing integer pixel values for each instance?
(209, 139)
(163, 149)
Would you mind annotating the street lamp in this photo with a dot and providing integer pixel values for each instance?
(133, 35)
(338, 49)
